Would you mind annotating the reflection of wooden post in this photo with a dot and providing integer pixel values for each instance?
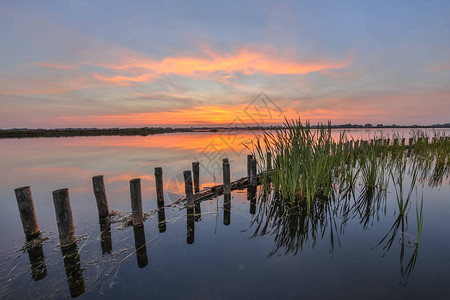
(196, 172)
(226, 209)
(251, 196)
(140, 245)
(64, 218)
(73, 271)
(100, 195)
(136, 201)
(190, 226)
(226, 176)
(105, 235)
(269, 161)
(249, 160)
(253, 173)
(27, 214)
(159, 186)
(188, 188)
(161, 220)
(37, 261)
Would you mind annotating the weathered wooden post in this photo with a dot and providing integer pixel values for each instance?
(411, 142)
(403, 141)
(196, 172)
(160, 199)
(136, 201)
(253, 173)
(249, 160)
(27, 214)
(159, 187)
(64, 218)
(269, 161)
(188, 188)
(226, 176)
(100, 196)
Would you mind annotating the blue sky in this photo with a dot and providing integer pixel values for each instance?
(133, 63)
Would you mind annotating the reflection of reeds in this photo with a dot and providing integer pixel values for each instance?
(292, 226)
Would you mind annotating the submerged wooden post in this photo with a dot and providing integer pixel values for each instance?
(27, 214)
(253, 173)
(269, 161)
(188, 188)
(249, 160)
(196, 171)
(159, 186)
(64, 218)
(100, 195)
(226, 176)
(136, 201)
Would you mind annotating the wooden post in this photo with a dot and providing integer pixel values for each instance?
(188, 188)
(100, 196)
(64, 218)
(159, 187)
(269, 161)
(403, 141)
(249, 160)
(27, 214)
(253, 173)
(226, 176)
(136, 201)
(196, 171)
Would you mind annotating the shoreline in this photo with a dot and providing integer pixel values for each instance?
(144, 131)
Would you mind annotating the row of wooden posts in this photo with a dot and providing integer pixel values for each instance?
(63, 211)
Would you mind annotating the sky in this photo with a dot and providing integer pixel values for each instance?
(221, 63)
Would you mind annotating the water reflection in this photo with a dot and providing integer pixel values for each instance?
(161, 219)
(294, 226)
(105, 235)
(140, 245)
(74, 273)
(190, 226)
(37, 260)
(251, 196)
(226, 209)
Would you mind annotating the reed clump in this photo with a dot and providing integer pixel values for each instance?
(309, 164)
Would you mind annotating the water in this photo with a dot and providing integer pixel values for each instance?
(229, 253)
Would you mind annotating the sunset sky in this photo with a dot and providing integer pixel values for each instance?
(205, 63)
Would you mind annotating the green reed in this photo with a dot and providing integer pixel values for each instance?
(307, 163)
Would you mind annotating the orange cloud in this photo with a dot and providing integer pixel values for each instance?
(243, 61)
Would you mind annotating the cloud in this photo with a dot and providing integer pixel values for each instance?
(244, 60)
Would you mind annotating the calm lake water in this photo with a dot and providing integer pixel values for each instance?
(236, 252)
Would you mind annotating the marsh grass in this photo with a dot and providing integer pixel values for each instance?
(307, 164)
